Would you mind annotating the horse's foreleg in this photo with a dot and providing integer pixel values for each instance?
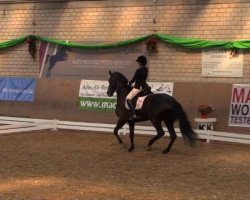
(131, 135)
(172, 133)
(118, 126)
(160, 133)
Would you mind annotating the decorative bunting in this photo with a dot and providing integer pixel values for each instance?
(190, 43)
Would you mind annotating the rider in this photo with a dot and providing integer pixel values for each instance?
(139, 79)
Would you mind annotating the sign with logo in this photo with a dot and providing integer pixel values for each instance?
(206, 126)
(17, 89)
(93, 95)
(66, 62)
(240, 106)
(219, 62)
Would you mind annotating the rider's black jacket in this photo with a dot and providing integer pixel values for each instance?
(140, 77)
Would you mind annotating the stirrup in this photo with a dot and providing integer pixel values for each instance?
(133, 117)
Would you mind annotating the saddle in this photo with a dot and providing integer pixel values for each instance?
(140, 97)
(144, 92)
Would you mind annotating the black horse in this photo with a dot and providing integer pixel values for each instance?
(157, 108)
(61, 55)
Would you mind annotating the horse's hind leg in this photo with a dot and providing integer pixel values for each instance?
(160, 133)
(170, 126)
(48, 73)
(52, 63)
(49, 70)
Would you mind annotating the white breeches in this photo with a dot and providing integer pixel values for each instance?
(132, 93)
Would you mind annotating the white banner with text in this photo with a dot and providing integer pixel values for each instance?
(217, 62)
(93, 95)
(240, 106)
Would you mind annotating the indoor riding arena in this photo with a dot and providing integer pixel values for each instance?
(66, 69)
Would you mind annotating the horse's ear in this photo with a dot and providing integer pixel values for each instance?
(110, 73)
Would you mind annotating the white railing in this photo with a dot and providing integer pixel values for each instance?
(14, 125)
(17, 124)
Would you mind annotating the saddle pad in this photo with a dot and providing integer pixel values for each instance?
(139, 102)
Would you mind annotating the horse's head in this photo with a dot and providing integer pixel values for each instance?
(112, 84)
(116, 82)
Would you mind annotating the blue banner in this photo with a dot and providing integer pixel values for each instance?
(17, 89)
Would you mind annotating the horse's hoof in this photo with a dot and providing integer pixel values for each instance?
(165, 151)
(130, 149)
(149, 149)
(120, 141)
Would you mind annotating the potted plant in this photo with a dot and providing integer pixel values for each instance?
(151, 45)
(32, 46)
(205, 109)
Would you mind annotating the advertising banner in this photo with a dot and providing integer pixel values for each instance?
(17, 89)
(66, 62)
(93, 95)
(240, 106)
(217, 62)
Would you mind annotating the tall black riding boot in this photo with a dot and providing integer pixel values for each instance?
(132, 110)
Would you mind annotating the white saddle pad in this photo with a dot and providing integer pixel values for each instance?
(139, 102)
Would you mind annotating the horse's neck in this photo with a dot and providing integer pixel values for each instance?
(122, 94)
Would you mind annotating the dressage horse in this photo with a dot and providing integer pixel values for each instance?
(157, 108)
(61, 55)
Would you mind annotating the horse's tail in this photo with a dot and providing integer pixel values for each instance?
(186, 130)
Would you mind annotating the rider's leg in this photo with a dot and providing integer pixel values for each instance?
(129, 97)
(132, 110)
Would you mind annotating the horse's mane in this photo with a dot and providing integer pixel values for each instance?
(121, 77)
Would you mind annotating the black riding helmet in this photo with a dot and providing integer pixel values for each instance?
(142, 60)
